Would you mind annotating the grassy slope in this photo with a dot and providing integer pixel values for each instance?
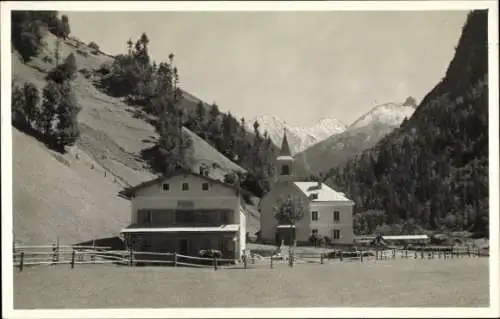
(76, 202)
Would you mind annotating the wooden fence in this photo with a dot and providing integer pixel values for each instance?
(253, 260)
(74, 255)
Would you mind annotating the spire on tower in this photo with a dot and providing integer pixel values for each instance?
(285, 148)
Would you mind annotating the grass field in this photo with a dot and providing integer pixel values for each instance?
(396, 283)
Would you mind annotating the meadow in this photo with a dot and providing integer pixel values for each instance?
(459, 282)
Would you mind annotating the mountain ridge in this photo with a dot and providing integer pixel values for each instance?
(363, 133)
(299, 136)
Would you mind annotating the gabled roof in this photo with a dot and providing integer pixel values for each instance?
(285, 148)
(128, 192)
(324, 194)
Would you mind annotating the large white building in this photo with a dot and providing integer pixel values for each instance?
(326, 212)
(186, 212)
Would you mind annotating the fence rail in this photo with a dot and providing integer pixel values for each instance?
(76, 255)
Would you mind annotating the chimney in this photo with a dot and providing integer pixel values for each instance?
(203, 170)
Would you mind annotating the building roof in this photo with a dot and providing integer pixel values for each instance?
(130, 191)
(285, 148)
(324, 193)
(139, 229)
(284, 158)
(405, 237)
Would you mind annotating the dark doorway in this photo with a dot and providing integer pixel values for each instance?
(183, 246)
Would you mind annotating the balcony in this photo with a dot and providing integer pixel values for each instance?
(185, 218)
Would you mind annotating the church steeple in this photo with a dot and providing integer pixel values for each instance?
(285, 148)
(284, 162)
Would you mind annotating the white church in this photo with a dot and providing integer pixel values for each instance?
(326, 212)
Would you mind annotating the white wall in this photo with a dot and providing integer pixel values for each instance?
(267, 221)
(154, 197)
(218, 196)
(243, 232)
(326, 224)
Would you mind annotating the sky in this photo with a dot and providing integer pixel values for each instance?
(298, 66)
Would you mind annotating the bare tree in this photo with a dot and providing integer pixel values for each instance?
(288, 212)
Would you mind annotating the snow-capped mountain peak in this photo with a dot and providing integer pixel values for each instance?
(299, 136)
(391, 114)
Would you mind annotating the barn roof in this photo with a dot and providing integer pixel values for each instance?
(324, 193)
(130, 191)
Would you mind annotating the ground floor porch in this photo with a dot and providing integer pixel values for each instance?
(186, 243)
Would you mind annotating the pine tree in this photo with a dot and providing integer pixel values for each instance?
(57, 51)
(31, 100)
(18, 113)
(67, 111)
(27, 35)
(173, 144)
(65, 28)
(51, 99)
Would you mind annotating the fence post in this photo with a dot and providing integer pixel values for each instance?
(422, 254)
(406, 253)
(175, 259)
(215, 262)
(415, 255)
(53, 253)
(57, 250)
(73, 259)
(92, 256)
(341, 255)
(393, 253)
(21, 263)
(271, 261)
(321, 258)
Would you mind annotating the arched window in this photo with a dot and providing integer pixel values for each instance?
(285, 170)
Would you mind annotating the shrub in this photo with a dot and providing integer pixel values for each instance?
(94, 46)
(48, 59)
(27, 34)
(65, 71)
(25, 106)
(83, 53)
(86, 73)
(18, 116)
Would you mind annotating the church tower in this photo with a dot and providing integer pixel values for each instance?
(284, 163)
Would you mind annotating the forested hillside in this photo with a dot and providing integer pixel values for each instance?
(432, 172)
(152, 89)
(76, 146)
